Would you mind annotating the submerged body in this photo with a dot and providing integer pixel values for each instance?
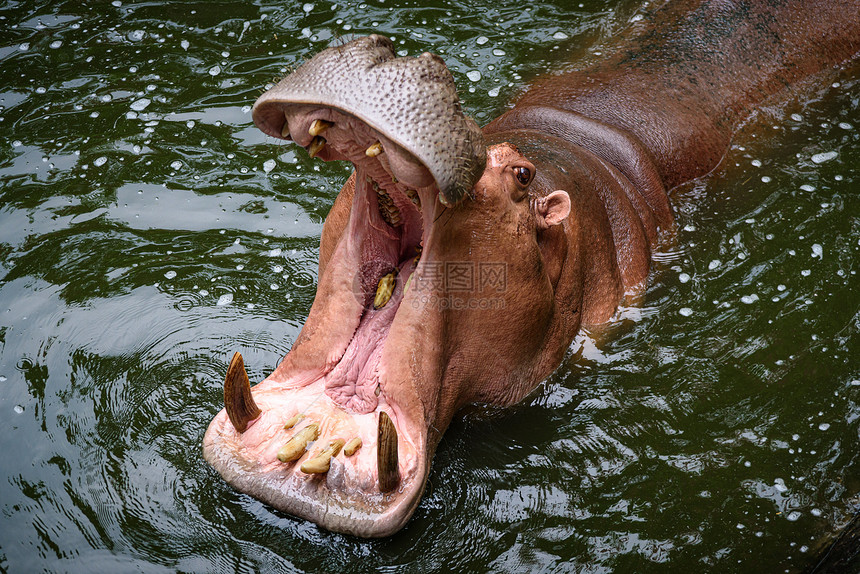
(457, 266)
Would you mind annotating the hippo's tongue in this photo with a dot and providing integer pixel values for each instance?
(363, 369)
(411, 102)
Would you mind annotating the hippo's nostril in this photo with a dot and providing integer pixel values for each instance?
(318, 127)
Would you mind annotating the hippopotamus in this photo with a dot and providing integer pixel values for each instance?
(458, 263)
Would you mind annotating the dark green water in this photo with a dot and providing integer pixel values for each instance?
(148, 230)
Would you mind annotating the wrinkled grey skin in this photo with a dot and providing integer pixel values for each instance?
(411, 101)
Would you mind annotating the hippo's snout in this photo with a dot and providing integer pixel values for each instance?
(411, 103)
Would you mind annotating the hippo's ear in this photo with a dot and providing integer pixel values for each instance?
(552, 209)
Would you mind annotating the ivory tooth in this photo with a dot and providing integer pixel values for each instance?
(386, 454)
(352, 446)
(374, 150)
(285, 130)
(238, 401)
(384, 290)
(296, 446)
(316, 146)
(322, 461)
(319, 126)
(293, 421)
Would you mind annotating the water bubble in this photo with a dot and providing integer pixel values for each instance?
(797, 117)
(176, 164)
(170, 274)
(823, 426)
(793, 516)
(214, 70)
(274, 286)
(493, 93)
(779, 485)
(100, 161)
(498, 52)
(817, 251)
(474, 75)
(136, 35)
(765, 179)
(685, 311)
(482, 40)
(684, 277)
(141, 104)
(268, 165)
(56, 44)
(24, 46)
(824, 156)
(225, 299)
(275, 252)
(308, 7)
(560, 36)
(807, 187)
(185, 44)
(845, 126)
(749, 299)
(756, 162)
(714, 264)
(19, 409)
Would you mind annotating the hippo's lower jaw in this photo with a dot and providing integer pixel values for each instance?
(352, 372)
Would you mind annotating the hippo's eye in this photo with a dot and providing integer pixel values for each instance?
(523, 174)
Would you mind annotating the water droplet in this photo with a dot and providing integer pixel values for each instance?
(19, 409)
(268, 165)
(825, 156)
(684, 277)
(225, 299)
(823, 426)
(749, 299)
(474, 75)
(136, 35)
(215, 70)
(56, 44)
(793, 516)
(141, 104)
(100, 161)
(714, 264)
(176, 164)
(482, 40)
(685, 311)
(560, 36)
(817, 251)
(170, 274)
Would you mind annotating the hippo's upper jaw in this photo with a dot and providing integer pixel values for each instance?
(367, 364)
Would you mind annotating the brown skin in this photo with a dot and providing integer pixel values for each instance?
(571, 203)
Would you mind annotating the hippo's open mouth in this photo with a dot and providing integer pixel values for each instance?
(339, 433)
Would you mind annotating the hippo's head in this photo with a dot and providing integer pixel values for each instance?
(432, 293)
